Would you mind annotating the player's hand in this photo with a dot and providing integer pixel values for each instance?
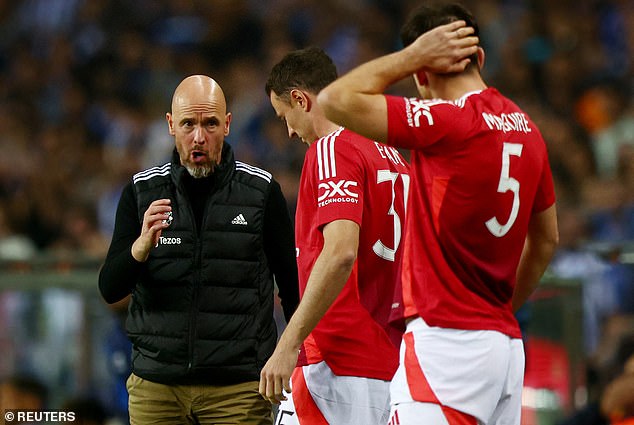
(276, 374)
(445, 48)
(155, 219)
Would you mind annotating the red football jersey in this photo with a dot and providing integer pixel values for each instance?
(346, 176)
(479, 170)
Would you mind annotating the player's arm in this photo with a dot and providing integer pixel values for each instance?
(355, 100)
(539, 248)
(328, 277)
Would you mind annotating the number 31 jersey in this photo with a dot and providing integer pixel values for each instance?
(479, 171)
(348, 177)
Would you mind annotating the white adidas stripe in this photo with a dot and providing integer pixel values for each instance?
(254, 168)
(255, 171)
(326, 163)
(153, 169)
(461, 102)
(163, 170)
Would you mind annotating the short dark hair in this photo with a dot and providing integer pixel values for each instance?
(310, 69)
(429, 16)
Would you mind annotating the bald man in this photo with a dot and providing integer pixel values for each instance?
(198, 242)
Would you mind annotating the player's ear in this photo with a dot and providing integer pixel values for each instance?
(480, 54)
(300, 99)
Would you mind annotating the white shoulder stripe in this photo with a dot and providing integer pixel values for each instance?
(163, 170)
(324, 145)
(433, 102)
(253, 168)
(327, 165)
(320, 161)
(333, 163)
(255, 171)
(461, 102)
(153, 169)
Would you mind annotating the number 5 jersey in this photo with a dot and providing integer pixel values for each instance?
(479, 171)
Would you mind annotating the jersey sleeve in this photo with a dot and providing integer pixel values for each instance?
(545, 196)
(339, 180)
(416, 123)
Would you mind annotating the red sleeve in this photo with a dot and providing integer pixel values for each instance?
(545, 195)
(340, 180)
(416, 123)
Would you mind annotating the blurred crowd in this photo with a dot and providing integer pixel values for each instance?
(86, 84)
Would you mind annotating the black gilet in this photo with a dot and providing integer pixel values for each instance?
(202, 309)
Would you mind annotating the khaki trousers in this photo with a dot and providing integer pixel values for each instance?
(153, 403)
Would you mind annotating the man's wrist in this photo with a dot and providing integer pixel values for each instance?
(140, 255)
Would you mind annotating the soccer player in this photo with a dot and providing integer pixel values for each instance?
(348, 233)
(481, 225)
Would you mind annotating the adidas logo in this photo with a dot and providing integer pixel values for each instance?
(239, 220)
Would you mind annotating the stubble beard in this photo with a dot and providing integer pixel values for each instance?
(200, 171)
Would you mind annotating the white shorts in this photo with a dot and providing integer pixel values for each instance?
(452, 376)
(321, 397)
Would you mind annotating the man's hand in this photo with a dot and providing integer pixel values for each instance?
(355, 100)
(155, 220)
(446, 48)
(276, 374)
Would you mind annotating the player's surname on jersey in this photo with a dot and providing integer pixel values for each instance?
(515, 121)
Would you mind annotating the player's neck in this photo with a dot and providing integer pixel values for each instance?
(452, 87)
(323, 127)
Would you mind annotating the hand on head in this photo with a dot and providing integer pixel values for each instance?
(446, 48)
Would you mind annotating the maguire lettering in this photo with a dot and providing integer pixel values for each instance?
(515, 121)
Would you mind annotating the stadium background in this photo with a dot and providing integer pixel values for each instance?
(84, 88)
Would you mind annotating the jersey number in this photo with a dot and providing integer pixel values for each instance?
(505, 184)
(379, 247)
